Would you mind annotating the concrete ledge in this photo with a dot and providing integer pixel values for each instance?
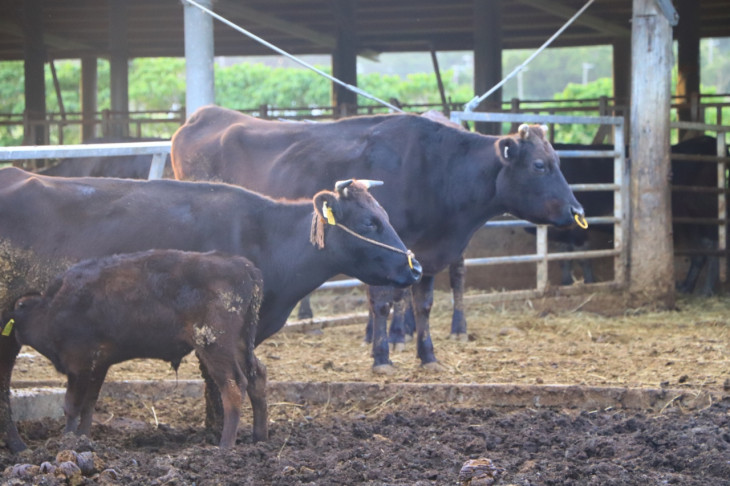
(29, 403)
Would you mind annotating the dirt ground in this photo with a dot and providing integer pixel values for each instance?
(590, 340)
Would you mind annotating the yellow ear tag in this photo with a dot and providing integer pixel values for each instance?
(8, 328)
(581, 221)
(410, 260)
(328, 213)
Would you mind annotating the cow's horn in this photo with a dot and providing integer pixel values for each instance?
(341, 185)
(370, 183)
(524, 131)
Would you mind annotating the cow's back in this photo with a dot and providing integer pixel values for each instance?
(296, 159)
(47, 224)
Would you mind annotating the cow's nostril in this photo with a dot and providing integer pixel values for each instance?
(579, 217)
(416, 269)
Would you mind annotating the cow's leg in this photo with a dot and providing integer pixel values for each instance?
(566, 272)
(369, 326)
(422, 303)
(305, 308)
(690, 280)
(380, 300)
(96, 380)
(257, 394)
(586, 264)
(457, 278)
(397, 335)
(9, 349)
(713, 267)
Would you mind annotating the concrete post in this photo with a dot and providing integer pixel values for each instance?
(199, 57)
(118, 68)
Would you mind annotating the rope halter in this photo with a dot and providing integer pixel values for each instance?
(317, 235)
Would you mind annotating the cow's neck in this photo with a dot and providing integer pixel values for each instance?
(459, 211)
(291, 266)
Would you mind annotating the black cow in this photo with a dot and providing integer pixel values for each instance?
(444, 183)
(49, 223)
(121, 166)
(684, 204)
(154, 304)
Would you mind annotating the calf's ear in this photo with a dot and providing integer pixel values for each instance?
(507, 150)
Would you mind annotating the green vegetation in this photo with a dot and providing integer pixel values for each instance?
(158, 84)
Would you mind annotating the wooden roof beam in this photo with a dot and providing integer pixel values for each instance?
(51, 41)
(586, 19)
(284, 26)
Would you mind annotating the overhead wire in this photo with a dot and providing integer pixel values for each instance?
(271, 46)
(469, 107)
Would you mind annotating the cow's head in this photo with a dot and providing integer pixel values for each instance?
(354, 229)
(531, 185)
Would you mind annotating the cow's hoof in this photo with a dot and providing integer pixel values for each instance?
(384, 369)
(398, 347)
(461, 337)
(434, 367)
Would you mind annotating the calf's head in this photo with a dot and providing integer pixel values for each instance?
(26, 312)
(530, 185)
(355, 231)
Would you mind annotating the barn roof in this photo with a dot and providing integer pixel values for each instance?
(76, 28)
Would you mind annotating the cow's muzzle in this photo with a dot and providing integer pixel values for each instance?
(579, 216)
(415, 266)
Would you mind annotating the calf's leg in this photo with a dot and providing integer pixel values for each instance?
(224, 371)
(96, 380)
(78, 382)
(257, 394)
(9, 349)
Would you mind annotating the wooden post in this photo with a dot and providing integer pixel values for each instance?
(688, 62)
(488, 58)
(89, 79)
(118, 68)
(35, 88)
(651, 269)
(344, 58)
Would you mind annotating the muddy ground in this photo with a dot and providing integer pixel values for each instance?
(591, 340)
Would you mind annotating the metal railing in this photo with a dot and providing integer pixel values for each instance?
(158, 150)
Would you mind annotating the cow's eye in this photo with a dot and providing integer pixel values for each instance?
(539, 165)
(371, 225)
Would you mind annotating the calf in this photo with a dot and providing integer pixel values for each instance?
(155, 304)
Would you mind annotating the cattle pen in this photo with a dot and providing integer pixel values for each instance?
(542, 256)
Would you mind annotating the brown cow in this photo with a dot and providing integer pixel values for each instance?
(156, 304)
(443, 182)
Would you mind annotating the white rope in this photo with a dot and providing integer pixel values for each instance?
(258, 39)
(469, 107)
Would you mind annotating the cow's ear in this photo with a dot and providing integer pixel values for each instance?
(507, 150)
(327, 206)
